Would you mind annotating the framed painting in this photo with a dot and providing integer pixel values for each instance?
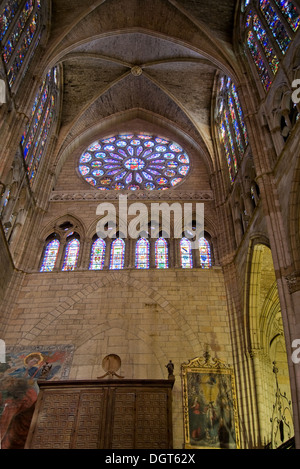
(210, 407)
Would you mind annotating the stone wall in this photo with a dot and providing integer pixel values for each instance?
(145, 317)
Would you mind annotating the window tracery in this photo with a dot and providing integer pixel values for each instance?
(50, 255)
(142, 254)
(134, 162)
(231, 125)
(161, 254)
(98, 254)
(186, 254)
(39, 129)
(270, 26)
(20, 32)
(117, 255)
(71, 254)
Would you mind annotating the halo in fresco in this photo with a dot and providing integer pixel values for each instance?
(134, 162)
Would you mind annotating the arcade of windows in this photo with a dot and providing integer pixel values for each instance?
(111, 255)
(20, 34)
(270, 26)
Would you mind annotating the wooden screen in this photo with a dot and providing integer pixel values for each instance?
(108, 414)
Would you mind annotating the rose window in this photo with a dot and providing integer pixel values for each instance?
(134, 162)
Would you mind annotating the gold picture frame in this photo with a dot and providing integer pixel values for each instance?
(210, 405)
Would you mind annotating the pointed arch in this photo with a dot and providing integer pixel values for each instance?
(142, 254)
(186, 256)
(117, 254)
(50, 254)
(161, 254)
(97, 254)
(71, 254)
(205, 253)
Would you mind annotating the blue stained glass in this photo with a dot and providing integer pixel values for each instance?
(139, 151)
(98, 255)
(121, 144)
(142, 254)
(84, 170)
(34, 139)
(123, 153)
(130, 151)
(147, 176)
(71, 255)
(112, 173)
(278, 30)
(161, 254)
(121, 176)
(161, 149)
(95, 147)
(240, 112)
(259, 61)
(186, 254)
(136, 153)
(266, 44)
(117, 255)
(85, 158)
(8, 13)
(205, 253)
(109, 140)
(50, 256)
(289, 10)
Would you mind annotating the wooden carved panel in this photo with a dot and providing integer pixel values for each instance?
(90, 419)
(102, 414)
(123, 424)
(152, 424)
(57, 420)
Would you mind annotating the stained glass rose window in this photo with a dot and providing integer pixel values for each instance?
(134, 162)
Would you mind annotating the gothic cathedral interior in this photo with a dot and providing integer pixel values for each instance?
(150, 224)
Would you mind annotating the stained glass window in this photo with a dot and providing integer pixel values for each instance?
(142, 254)
(276, 26)
(50, 256)
(71, 255)
(232, 128)
(205, 253)
(266, 28)
(259, 61)
(117, 255)
(22, 37)
(161, 254)
(98, 255)
(8, 13)
(38, 130)
(186, 254)
(134, 162)
(290, 12)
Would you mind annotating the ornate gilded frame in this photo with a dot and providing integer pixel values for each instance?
(210, 405)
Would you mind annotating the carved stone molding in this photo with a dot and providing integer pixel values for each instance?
(61, 196)
(293, 282)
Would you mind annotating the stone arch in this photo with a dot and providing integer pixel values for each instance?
(32, 335)
(266, 334)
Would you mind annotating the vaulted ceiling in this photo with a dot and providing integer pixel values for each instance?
(155, 60)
